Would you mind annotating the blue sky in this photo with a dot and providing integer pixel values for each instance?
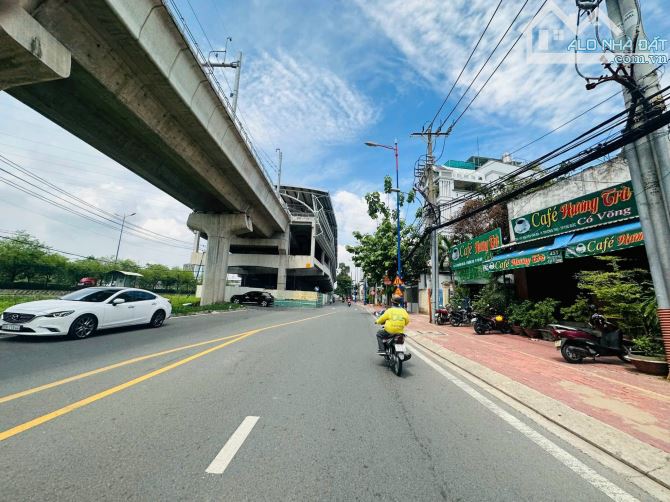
(320, 78)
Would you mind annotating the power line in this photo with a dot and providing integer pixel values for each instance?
(481, 69)
(465, 65)
(499, 65)
(106, 215)
(76, 210)
(558, 128)
(578, 160)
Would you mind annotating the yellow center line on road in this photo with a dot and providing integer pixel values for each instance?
(130, 383)
(97, 371)
(74, 378)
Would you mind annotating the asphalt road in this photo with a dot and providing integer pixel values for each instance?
(333, 422)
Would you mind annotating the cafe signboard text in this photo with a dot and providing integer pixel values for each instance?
(597, 208)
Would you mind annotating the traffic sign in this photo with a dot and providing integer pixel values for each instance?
(397, 292)
(397, 281)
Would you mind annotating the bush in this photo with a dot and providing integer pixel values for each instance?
(578, 311)
(648, 346)
(534, 315)
(620, 294)
(495, 296)
(518, 312)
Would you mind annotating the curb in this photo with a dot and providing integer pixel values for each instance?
(213, 312)
(646, 459)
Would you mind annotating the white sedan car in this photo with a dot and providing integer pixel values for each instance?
(82, 312)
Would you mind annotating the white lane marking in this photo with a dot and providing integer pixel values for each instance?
(229, 450)
(588, 474)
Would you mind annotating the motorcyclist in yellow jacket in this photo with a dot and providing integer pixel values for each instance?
(394, 320)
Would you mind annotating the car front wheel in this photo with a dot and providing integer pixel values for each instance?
(83, 327)
(264, 303)
(236, 300)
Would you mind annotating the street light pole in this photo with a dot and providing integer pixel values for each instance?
(397, 199)
(123, 224)
(397, 191)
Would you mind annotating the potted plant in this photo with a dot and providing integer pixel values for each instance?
(648, 356)
(539, 315)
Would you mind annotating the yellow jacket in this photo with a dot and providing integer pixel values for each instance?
(394, 320)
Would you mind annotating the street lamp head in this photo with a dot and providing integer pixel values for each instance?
(132, 214)
(371, 143)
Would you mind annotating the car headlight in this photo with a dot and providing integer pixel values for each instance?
(63, 313)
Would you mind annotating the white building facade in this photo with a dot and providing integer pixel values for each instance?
(457, 178)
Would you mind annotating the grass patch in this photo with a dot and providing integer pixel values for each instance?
(7, 301)
(184, 305)
(181, 304)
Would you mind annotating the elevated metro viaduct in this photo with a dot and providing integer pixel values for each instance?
(120, 75)
(301, 259)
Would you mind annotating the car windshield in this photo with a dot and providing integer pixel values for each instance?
(90, 295)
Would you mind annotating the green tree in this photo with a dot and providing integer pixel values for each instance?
(343, 280)
(621, 294)
(19, 256)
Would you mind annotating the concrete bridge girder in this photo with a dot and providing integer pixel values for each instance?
(137, 93)
(28, 52)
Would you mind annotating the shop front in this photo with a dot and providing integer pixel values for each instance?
(555, 242)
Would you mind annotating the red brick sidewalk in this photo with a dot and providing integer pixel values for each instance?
(609, 390)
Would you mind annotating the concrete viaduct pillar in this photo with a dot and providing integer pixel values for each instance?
(283, 262)
(28, 53)
(220, 228)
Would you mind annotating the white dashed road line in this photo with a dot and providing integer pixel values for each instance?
(229, 450)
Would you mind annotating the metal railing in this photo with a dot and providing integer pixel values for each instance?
(208, 70)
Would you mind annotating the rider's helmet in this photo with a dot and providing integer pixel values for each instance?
(396, 301)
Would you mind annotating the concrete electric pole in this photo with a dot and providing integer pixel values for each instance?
(428, 182)
(648, 158)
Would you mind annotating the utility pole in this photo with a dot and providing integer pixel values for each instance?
(123, 224)
(279, 155)
(433, 218)
(648, 158)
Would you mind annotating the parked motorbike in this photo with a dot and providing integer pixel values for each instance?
(441, 316)
(602, 340)
(484, 323)
(460, 316)
(395, 353)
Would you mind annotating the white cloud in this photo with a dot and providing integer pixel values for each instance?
(300, 107)
(351, 212)
(436, 41)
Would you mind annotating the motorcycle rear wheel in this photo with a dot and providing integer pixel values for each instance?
(397, 365)
(480, 329)
(570, 355)
(455, 322)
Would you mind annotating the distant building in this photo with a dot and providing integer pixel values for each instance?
(458, 178)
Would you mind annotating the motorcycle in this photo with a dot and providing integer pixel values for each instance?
(482, 324)
(602, 340)
(441, 316)
(460, 316)
(395, 352)
(349, 303)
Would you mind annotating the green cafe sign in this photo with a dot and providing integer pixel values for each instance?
(524, 261)
(605, 244)
(597, 208)
(475, 251)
